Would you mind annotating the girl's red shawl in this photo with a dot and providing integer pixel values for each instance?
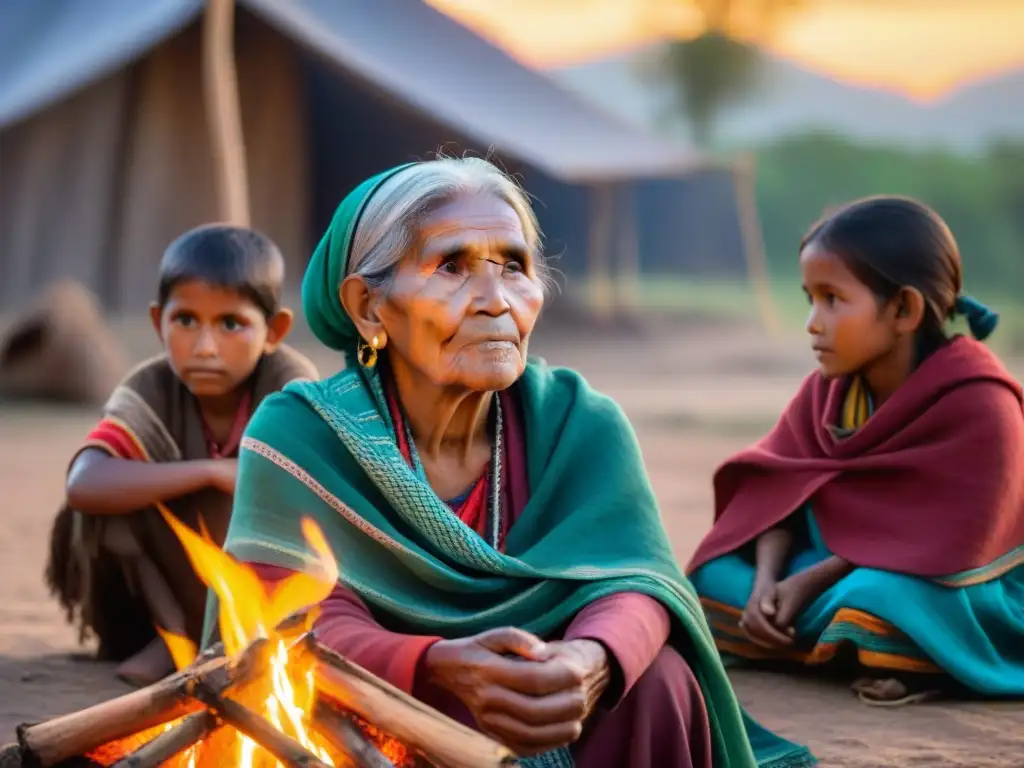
(931, 485)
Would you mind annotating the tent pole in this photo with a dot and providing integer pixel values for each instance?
(627, 252)
(753, 241)
(599, 282)
(223, 112)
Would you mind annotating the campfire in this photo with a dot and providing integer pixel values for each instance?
(267, 695)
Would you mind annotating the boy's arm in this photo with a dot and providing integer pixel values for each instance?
(101, 484)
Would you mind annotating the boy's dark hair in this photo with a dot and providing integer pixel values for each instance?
(238, 258)
(890, 243)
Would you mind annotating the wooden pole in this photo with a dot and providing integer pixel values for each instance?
(441, 740)
(601, 226)
(744, 175)
(166, 745)
(223, 112)
(76, 734)
(346, 737)
(201, 695)
(286, 749)
(627, 253)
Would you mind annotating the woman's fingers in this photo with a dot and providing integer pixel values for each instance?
(526, 739)
(530, 706)
(564, 707)
(535, 678)
(518, 642)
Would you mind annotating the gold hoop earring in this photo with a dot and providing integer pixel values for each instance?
(367, 353)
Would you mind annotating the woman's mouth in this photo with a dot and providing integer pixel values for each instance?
(496, 344)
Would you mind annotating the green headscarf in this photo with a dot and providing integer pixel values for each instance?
(329, 266)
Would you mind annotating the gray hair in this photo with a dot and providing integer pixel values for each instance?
(389, 224)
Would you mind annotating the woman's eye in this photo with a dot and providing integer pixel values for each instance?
(513, 267)
(450, 267)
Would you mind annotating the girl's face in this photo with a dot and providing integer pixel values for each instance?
(850, 331)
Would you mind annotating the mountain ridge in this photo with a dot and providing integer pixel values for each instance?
(790, 99)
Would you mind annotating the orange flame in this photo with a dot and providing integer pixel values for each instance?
(247, 612)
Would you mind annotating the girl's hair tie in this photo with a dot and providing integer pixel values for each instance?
(980, 319)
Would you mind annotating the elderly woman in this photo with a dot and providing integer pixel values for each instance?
(501, 552)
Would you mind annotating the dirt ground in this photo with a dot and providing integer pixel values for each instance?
(695, 394)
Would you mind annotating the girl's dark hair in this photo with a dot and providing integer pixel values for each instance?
(890, 243)
(238, 258)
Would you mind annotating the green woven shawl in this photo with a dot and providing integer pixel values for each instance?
(591, 528)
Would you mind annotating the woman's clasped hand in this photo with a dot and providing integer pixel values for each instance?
(530, 695)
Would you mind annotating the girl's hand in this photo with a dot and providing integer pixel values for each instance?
(759, 617)
(792, 596)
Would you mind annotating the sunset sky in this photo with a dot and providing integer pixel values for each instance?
(922, 48)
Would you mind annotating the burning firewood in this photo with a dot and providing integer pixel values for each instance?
(188, 707)
(170, 743)
(345, 736)
(438, 738)
(260, 730)
(271, 695)
(79, 733)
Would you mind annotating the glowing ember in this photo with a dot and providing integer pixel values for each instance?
(284, 694)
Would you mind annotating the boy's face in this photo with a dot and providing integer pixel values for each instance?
(214, 337)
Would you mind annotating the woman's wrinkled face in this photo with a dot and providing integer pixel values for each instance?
(460, 309)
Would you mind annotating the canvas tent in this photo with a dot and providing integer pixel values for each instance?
(105, 155)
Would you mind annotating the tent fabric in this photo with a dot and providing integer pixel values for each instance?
(94, 187)
(50, 48)
(428, 60)
(105, 144)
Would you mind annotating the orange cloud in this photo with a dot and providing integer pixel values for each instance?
(920, 47)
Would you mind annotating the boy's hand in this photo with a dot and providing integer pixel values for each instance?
(222, 474)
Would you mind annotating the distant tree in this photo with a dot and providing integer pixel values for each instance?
(980, 197)
(715, 69)
(707, 74)
(1007, 157)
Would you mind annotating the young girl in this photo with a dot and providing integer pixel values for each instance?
(884, 513)
(170, 433)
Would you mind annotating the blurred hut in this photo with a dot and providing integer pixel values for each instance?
(105, 153)
(59, 349)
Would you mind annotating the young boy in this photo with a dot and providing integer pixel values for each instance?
(170, 434)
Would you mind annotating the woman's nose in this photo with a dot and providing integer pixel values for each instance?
(489, 288)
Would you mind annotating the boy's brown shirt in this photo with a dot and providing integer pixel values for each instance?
(152, 416)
